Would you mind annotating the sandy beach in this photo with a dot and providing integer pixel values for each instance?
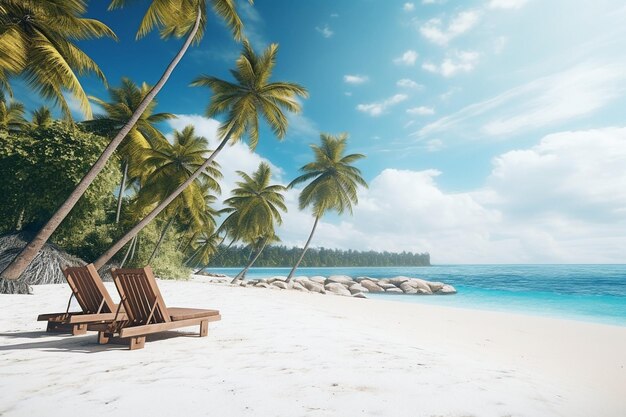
(285, 353)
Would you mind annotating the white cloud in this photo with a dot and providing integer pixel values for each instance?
(421, 111)
(325, 31)
(408, 58)
(355, 79)
(435, 31)
(408, 7)
(300, 125)
(549, 100)
(408, 83)
(434, 145)
(562, 200)
(378, 108)
(507, 4)
(433, 1)
(234, 157)
(453, 64)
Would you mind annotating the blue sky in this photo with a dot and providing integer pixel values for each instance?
(493, 129)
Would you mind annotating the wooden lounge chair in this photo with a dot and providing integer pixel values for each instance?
(93, 298)
(146, 311)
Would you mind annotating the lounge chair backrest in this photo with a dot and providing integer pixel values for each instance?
(140, 295)
(89, 290)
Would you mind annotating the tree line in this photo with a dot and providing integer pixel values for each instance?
(283, 256)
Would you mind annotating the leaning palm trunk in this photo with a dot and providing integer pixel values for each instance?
(306, 246)
(242, 274)
(128, 251)
(120, 194)
(25, 257)
(139, 226)
(163, 233)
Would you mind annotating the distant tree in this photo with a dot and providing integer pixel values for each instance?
(332, 182)
(12, 116)
(42, 117)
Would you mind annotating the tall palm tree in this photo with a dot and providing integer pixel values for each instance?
(257, 204)
(242, 101)
(171, 164)
(333, 182)
(124, 101)
(174, 18)
(38, 42)
(42, 117)
(12, 116)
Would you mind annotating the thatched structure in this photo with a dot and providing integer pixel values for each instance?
(45, 268)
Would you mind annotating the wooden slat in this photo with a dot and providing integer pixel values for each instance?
(160, 327)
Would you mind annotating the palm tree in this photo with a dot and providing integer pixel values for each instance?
(207, 243)
(333, 182)
(12, 116)
(242, 101)
(256, 203)
(42, 117)
(175, 18)
(38, 42)
(171, 164)
(124, 101)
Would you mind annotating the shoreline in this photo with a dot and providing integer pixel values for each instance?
(285, 353)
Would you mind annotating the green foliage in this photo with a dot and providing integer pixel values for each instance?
(281, 256)
(38, 42)
(39, 168)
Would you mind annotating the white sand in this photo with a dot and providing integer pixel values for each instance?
(284, 353)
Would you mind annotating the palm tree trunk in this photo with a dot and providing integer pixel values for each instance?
(132, 232)
(306, 246)
(244, 271)
(130, 247)
(26, 256)
(163, 233)
(120, 195)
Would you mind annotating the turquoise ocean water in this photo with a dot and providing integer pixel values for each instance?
(580, 292)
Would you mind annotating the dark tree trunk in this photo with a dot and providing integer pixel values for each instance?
(163, 233)
(242, 274)
(306, 246)
(120, 194)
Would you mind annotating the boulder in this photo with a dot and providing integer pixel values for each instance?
(446, 289)
(407, 288)
(314, 287)
(299, 287)
(262, 285)
(386, 285)
(435, 286)
(356, 288)
(371, 286)
(339, 279)
(359, 279)
(398, 280)
(276, 278)
(420, 284)
(394, 290)
(281, 284)
(359, 295)
(318, 279)
(337, 288)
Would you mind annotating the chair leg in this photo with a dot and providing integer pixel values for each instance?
(137, 342)
(103, 338)
(79, 329)
(204, 328)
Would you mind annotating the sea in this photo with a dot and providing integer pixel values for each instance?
(595, 293)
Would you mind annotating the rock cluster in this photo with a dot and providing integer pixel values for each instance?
(353, 287)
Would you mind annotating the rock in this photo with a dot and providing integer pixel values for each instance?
(386, 285)
(446, 289)
(276, 278)
(262, 285)
(243, 283)
(356, 288)
(435, 286)
(371, 286)
(282, 285)
(314, 287)
(420, 284)
(299, 287)
(398, 280)
(359, 295)
(359, 279)
(300, 278)
(318, 279)
(407, 288)
(394, 290)
(339, 279)
(337, 288)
